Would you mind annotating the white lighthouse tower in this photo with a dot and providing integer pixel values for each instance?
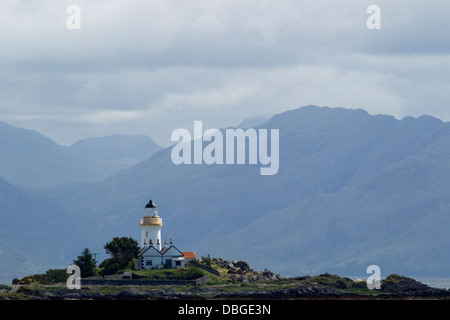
(151, 225)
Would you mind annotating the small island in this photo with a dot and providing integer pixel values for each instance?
(158, 270)
(220, 280)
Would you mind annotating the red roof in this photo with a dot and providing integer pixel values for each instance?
(189, 255)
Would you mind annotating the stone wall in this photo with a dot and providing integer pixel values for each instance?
(142, 282)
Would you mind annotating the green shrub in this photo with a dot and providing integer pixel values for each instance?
(206, 260)
(56, 275)
(330, 280)
(193, 273)
(110, 266)
(359, 285)
(341, 284)
(36, 278)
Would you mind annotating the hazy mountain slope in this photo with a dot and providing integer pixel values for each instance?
(35, 233)
(125, 149)
(252, 122)
(31, 160)
(397, 219)
(333, 162)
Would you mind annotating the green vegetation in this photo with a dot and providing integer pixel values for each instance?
(334, 281)
(51, 276)
(221, 276)
(55, 276)
(123, 251)
(394, 278)
(35, 285)
(224, 276)
(186, 273)
(342, 283)
(205, 260)
(194, 273)
(109, 266)
(86, 263)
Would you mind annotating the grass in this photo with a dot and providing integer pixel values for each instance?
(185, 273)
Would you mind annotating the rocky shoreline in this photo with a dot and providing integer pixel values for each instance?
(207, 293)
(243, 284)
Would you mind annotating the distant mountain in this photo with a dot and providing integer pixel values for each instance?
(118, 147)
(252, 122)
(353, 189)
(35, 233)
(31, 160)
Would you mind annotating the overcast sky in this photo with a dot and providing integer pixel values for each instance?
(151, 66)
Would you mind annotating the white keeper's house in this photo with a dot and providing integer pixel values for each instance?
(151, 255)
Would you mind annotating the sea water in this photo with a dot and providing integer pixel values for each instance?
(441, 283)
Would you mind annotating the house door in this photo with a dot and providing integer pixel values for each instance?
(168, 263)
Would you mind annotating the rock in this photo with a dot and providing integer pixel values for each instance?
(241, 264)
(269, 275)
(200, 290)
(302, 291)
(239, 270)
(407, 286)
(6, 289)
(130, 293)
(252, 277)
(233, 277)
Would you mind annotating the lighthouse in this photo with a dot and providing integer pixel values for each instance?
(151, 225)
(151, 256)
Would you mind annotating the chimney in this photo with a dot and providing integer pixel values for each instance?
(171, 241)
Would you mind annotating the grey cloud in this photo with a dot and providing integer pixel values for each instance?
(150, 67)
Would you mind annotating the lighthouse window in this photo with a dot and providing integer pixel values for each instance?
(146, 233)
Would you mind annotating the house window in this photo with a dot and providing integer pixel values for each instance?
(148, 262)
(177, 263)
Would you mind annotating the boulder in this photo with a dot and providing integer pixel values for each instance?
(241, 264)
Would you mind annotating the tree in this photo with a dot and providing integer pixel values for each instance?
(109, 266)
(86, 263)
(123, 250)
